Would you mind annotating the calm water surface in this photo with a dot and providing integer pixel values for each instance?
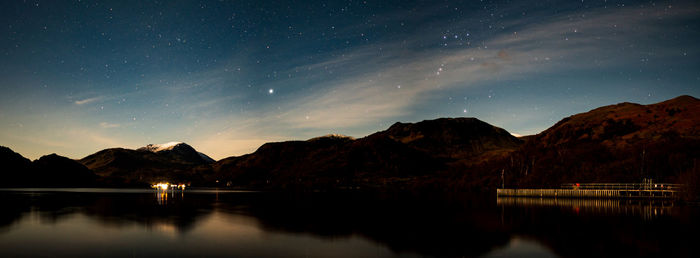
(205, 223)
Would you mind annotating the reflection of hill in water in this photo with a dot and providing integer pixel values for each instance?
(444, 226)
(110, 209)
(402, 224)
(612, 228)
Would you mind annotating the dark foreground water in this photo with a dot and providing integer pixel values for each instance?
(144, 223)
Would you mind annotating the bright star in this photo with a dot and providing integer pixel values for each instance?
(271, 91)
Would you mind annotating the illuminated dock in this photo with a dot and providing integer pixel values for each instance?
(599, 190)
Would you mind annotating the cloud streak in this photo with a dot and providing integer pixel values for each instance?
(109, 125)
(353, 73)
(371, 85)
(87, 101)
(390, 89)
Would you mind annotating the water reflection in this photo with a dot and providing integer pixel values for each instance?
(162, 196)
(613, 228)
(217, 223)
(323, 224)
(646, 208)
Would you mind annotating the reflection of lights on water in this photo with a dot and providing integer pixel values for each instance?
(164, 227)
(162, 191)
(647, 209)
(162, 197)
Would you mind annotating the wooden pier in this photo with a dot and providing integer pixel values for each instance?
(599, 190)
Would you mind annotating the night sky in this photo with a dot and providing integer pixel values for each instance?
(226, 76)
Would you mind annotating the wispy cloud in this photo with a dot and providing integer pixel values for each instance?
(45, 142)
(109, 125)
(86, 101)
(96, 139)
(360, 88)
(372, 84)
(393, 87)
(237, 138)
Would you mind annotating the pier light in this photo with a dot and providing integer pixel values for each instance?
(161, 186)
(168, 186)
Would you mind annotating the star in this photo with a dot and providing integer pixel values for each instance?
(271, 91)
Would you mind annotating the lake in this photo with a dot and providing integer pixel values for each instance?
(211, 223)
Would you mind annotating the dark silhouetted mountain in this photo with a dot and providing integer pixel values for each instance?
(619, 143)
(173, 162)
(57, 171)
(404, 153)
(15, 168)
(456, 138)
(624, 124)
(178, 151)
(48, 171)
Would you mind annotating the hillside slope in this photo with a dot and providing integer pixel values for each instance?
(48, 171)
(619, 143)
(405, 153)
(147, 165)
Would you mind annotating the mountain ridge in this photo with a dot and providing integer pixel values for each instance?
(47, 171)
(145, 165)
(625, 142)
(178, 150)
(605, 144)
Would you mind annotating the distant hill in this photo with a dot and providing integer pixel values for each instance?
(617, 143)
(48, 171)
(621, 125)
(58, 171)
(149, 164)
(16, 169)
(178, 151)
(402, 153)
(455, 138)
